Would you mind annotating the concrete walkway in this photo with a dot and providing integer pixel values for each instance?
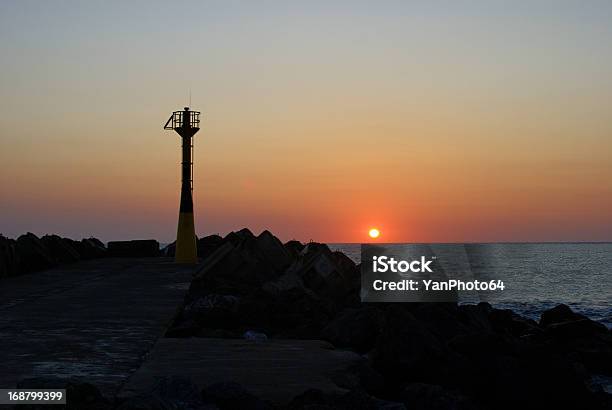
(274, 370)
(94, 320)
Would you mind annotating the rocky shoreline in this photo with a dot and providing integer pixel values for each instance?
(430, 355)
(415, 356)
(29, 253)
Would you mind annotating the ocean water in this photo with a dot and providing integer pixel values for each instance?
(539, 276)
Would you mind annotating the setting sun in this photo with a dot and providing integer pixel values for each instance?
(374, 233)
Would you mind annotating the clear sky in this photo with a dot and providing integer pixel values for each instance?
(433, 121)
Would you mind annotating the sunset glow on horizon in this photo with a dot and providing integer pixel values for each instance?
(460, 123)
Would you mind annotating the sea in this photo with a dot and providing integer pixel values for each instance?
(539, 276)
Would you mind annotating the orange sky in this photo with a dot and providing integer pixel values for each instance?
(430, 124)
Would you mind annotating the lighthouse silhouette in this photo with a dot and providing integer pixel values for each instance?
(186, 123)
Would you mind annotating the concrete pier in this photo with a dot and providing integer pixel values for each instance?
(274, 370)
(95, 320)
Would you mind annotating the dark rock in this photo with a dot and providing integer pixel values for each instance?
(320, 271)
(208, 244)
(524, 375)
(508, 322)
(576, 329)
(169, 250)
(558, 314)
(542, 380)
(213, 310)
(169, 393)
(294, 247)
(441, 319)
(33, 254)
(226, 270)
(360, 376)
(421, 396)
(90, 248)
(9, 258)
(585, 341)
(235, 238)
(79, 395)
(482, 344)
(234, 268)
(288, 281)
(299, 313)
(577, 338)
(273, 251)
(232, 396)
(133, 249)
(30, 254)
(62, 249)
(407, 350)
(476, 317)
(96, 242)
(355, 328)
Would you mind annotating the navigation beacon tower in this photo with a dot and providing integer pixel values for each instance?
(186, 123)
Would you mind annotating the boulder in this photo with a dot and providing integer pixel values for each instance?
(441, 319)
(213, 310)
(235, 238)
(242, 262)
(505, 373)
(30, 254)
(355, 328)
(231, 270)
(90, 248)
(360, 376)
(96, 242)
(507, 322)
(576, 329)
(483, 344)
(558, 314)
(294, 247)
(408, 351)
(273, 251)
(207, 245)
(320, 272)
(33, 254)
(476, 317)
(299, 313)
(133, 249)
(285, 282)
(169, 250)
(62, 249)
(9, 258)
(584, 341)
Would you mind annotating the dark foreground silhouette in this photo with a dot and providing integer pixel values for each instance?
(414, 356)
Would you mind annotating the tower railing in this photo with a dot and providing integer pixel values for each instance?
(177, 120)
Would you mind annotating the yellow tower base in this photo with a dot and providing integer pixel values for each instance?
(186, 246)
